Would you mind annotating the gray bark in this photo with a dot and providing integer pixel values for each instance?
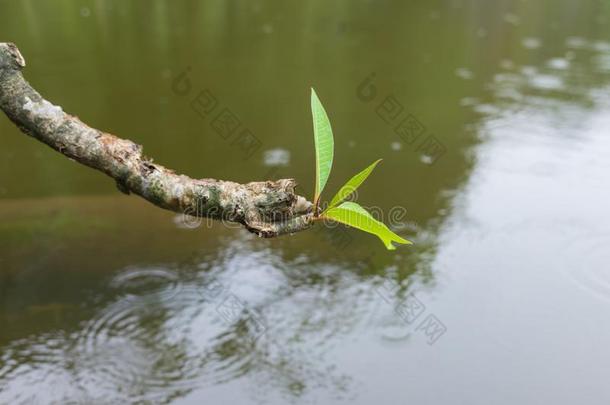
(268, 208)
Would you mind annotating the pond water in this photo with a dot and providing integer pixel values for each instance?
(492, 118)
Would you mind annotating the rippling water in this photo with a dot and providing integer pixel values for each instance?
(105, 299)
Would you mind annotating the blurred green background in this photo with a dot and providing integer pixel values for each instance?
(501, 183)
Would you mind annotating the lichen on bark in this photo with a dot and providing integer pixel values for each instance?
(267, 208)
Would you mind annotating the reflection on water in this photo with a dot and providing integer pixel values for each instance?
(233, 311)
(105, 299)
(157, 334)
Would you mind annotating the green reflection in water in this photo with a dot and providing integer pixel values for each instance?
(67, 236)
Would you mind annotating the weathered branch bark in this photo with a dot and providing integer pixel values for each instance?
(268, 209)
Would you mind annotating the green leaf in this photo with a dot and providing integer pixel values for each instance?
(323, 136)
(352, 185)
(352, 214)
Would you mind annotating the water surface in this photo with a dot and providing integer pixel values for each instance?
(501, 181)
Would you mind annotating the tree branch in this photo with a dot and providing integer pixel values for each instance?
(268, 209)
